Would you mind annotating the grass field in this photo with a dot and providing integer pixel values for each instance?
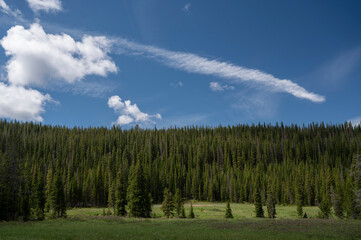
(86, 223)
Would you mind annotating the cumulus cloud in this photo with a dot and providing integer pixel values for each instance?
(217, 87)
(129, 113)
(7, 10)
(234, 74)
(45, 5)
(356, 121)
(37, 57)
(17, 102)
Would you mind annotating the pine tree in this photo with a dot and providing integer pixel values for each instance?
(228, 211)
(120, 194)
(168, 204)
(356, 175)
(139, 200)
(299, 208)
(299, 196)
(111, 196)
(191, 213)
(271, 208)
(325, 207)
(349, 203)
(336, 200)
(39, 195)
(58, 204)
(258, 201)
(48, 189)
(182, 213)
(178, 200)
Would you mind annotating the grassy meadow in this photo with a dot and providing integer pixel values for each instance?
(88, 223)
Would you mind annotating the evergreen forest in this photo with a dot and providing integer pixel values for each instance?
(51, 168)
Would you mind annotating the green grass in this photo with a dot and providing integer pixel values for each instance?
(207, 210)
(86, 223)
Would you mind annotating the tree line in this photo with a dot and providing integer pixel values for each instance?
(50, 168)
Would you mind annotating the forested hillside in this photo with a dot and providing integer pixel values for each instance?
(42, 165)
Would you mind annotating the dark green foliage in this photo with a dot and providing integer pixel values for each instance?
(258, 201)
(120, 194)
(305, 215)
(12, 185)
(271, 206)
(57, 197)
(325, 207)
(208, 164)
(191, 213)
(111, 196)
(228, 211)
(349, 203)
(182, 213)
(356, 174)
(38, 197)
(299, 208)
(139, 200)
(178, 201)
(168, 204)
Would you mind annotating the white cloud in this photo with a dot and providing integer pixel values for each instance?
(235, 74)
(356, 121)
(129, 113)
(37, 57)
(216, 86)
(45, 5)
(175, 85)
(7, 10)
(17, 102)
(187, 7)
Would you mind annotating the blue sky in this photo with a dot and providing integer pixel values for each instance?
(166, 63)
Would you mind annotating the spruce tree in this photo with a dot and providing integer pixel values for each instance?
(48, 189)
(299, 208)
(39, 195)
(167, 204)
(191, 213)
(58, 204)
(139, 200)
(120, 194)
(299, 196)
(356, 175)
(111, 196)
(349, 203)
(182, 213)
(258, 201)
(178, 201)
(325, 207)
(336, 200)
(271, 207)
(228, 211)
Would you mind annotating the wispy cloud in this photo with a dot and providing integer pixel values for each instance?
(255, 104)
(339, 69)
(178, 84)
(218, 87)
(129, 113)
(45, 5)
(7, 10)
(187, 7)
(234, 74)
